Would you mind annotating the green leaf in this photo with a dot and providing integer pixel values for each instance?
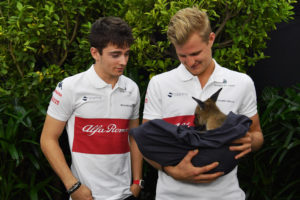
(13, 152)
(19, 6)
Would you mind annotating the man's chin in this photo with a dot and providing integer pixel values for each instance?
(118, 74)
(195, 72)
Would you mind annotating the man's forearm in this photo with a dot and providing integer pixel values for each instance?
(56, 158)
(136, 160)
(255, 131)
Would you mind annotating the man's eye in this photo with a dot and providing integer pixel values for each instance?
(115, 55)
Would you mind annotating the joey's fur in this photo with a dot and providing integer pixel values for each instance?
(207, 113)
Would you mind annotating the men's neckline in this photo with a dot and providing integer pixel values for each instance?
(98, 82)
(216, 76)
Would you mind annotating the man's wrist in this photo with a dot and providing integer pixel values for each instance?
(74, 187)
(166, 170)
(163, 169)
(139, 182)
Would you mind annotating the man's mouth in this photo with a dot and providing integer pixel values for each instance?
(196, 65)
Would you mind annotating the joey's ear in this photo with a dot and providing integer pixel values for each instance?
(200, 103)
(214, 97)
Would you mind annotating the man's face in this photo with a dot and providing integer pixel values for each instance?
(112, 62)
(195, 54)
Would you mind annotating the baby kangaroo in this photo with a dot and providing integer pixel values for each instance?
(207, 113)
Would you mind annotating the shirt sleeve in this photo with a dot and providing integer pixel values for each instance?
(249, 101)
(60, 106)
(153, 101)
(136, 107)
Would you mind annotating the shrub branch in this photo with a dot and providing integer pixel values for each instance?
(70, 41)
(15, 60)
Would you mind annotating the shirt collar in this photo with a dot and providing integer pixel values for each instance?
(121, 83)
(97, 82)
(216, 76)
(183, 73)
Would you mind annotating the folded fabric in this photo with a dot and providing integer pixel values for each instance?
(167, 144)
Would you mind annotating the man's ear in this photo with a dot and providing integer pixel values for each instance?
(211, 38)
(95, 53)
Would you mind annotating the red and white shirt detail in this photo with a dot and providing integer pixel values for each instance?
(101, 136)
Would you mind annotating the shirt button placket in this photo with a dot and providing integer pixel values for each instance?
(109, 101)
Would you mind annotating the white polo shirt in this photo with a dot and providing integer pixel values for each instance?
(169, 97)
(97, 125)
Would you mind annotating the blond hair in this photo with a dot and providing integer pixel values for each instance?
(186, 22)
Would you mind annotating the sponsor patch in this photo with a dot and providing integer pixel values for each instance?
(101, 136)
(127, 105)
(58, 93)
(60, 84)
(226, 101)
(181, 120)
(92, 98)
(54, 100)
(177, 94)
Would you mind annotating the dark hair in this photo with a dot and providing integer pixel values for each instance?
(110, 30)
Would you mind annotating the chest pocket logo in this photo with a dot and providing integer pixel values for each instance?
(92, 98)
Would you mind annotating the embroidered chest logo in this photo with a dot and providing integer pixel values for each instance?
(177, 94)
(92, 98)
(127, 105)
(223, 83)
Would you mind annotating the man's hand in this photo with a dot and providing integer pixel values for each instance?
(186, 171)
(135, 189)
(252, 141)
(244, 145)
(82, 193)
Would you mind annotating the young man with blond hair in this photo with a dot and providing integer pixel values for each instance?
(169, 97)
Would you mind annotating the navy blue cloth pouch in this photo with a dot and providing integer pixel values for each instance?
(167, 144)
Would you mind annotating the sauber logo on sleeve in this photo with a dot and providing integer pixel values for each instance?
(181, 120)
(60, 85)
(101, 136)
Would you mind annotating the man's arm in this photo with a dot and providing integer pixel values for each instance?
(252, 141)
(52, 130)
(186, 171)
(136, 160)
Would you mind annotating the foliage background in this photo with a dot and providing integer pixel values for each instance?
(41, 42)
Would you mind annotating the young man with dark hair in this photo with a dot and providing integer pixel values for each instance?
(169, 97)
(97, 107)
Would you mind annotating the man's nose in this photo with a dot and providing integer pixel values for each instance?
(123, 60)
(189, 61)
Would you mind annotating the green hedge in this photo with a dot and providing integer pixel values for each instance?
(41, 42)
(272, 172)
